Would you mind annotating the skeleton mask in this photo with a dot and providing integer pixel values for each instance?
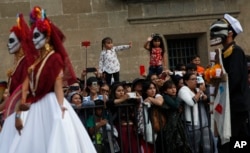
(13, 44)
(218, 32)
(39, 39)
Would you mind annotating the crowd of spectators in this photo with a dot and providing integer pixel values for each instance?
(119, 107)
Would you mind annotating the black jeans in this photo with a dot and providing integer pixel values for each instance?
(108, 77)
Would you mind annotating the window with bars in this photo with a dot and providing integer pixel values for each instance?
(181, 51)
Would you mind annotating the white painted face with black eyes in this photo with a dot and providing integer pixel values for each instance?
(39, 39)
(13, 44)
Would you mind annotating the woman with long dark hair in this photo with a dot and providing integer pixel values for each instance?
(123, 117)
(151, 98)
(174, 135)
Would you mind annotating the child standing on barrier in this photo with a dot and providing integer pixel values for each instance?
(155, 46)
(109, 65)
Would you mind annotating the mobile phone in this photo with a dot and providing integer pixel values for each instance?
(131, 94)
(91, 69)
(94, 83)
(180, 73)
(74, 88)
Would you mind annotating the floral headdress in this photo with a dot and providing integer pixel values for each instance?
(21, 30)
(45, 26)
(38, 19)
(35, 14)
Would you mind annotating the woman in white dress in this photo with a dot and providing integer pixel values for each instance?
(52, 126)
(19, 45)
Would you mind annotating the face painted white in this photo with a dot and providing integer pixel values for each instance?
(13, 44)
(39, 39)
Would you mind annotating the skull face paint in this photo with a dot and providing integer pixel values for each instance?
(39, 39)
(218, 32)
(13, 44)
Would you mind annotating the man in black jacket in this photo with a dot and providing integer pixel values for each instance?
(234, 60)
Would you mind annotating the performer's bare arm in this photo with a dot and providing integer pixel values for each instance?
(5, 96)
(25, 90)
(58, 88)
(2, 105)
(22, 106)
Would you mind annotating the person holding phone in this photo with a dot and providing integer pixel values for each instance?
(195, 115)
(91, 69)
(109, 64)
(75, 87)
(93, 88)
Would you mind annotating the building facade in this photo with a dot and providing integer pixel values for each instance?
(183, 23)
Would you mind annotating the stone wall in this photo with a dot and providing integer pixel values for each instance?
(95, 19)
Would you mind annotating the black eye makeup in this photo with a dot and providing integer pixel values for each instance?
(11, 40)
(36, 35)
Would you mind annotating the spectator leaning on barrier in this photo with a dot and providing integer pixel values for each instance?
(195, 118)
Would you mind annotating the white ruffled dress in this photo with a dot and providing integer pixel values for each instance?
(45, 130)
(9, 132)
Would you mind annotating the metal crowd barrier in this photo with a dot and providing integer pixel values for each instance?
(121, 118)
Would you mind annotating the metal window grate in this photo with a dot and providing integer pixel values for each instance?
(181, 51)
